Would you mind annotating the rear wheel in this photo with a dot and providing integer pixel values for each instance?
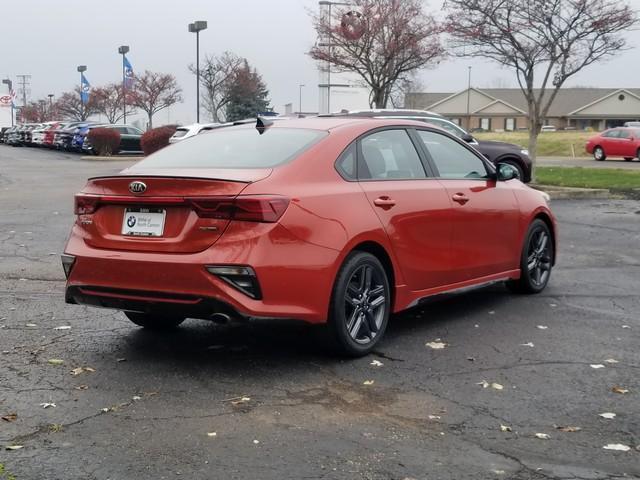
(360, 305)
(598, 154)
(628, 159)
(154, 321)
(536, 260)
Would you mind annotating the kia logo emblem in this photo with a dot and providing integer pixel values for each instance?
(137, 187)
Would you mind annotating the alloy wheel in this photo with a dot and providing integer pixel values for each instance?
(365, 304)
(539, 258)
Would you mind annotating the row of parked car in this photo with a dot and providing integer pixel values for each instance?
(69, 136)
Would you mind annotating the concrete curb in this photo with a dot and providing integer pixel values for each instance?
(558, 193)
(114, 158)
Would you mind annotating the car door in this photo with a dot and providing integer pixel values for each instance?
(412, 207)
(484, 212)
(610, 142)
(625, 143)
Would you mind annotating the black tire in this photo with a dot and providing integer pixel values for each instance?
(360, 305)
(599, 155)
(154, 321)
(628, 159)
(516, 167)
(536, 260)
(638, 154)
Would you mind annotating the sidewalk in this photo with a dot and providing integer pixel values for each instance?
(587, 162)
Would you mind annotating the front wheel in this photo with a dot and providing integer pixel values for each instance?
(154, 321)
(599, 155)
(536, 260)
(628, 159)
(360, 305)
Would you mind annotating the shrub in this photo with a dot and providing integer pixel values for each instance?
(105, 141)
(156, 138)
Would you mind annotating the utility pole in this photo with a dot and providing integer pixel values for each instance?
(469, 101)
(24, 81)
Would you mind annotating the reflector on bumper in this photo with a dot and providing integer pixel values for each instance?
(242, 278)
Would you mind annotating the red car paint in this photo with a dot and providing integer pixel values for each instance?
(622, 142)
(437, 234)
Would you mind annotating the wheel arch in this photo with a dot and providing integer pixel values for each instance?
(547, 219)
(378, 251)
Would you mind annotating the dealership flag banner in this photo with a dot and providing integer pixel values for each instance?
(128, 73)
(86, 86)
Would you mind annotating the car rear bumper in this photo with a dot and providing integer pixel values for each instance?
(295, 277)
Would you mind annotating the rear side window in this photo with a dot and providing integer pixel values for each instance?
(452, 159)
(389, 155)
(235, 147)
(624, 134)
(611, 134)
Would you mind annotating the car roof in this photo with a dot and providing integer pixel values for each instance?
(339, 122)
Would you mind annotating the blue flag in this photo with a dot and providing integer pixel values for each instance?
(128, 73)
(86, 86)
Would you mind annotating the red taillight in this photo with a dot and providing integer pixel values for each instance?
(258, 208)
(85, 204)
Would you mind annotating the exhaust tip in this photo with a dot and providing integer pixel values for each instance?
(221, 318)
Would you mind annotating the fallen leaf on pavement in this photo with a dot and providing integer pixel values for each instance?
(611, 360)
(529, 344)
(119, 360)
(435, 345)
(256, 442)
(79, 370)
(30, 325)
(105, 410)
(505, 428)
(63, 327)
(484, 383)
(607, 415)
(492, 312)
(626, 326)
(553, 305)
(498, 472)
(433, 417)
(55, 361)
(569, 429)
(542, 327)
(48, 405)
(82, 387)
(596, 366)
(368, 382)
(497, 386)
(238, 400)
(135, 398)
(471, 359)
(13, 447)
(211, 434)
(617, 446)
(11, 417)
(542, 436)
(376, 363)
(620, 390)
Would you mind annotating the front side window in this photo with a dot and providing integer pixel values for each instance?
(452, 159)
(389, 154)
(611, 134)
(624, 134)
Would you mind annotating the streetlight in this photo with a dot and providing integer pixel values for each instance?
(196, 27)
(300, 109)
(9, 84)
(123, 51)
(51, 104)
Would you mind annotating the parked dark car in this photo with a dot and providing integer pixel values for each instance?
(64, 136)
(2, 133)
(496, 152)
(129, 139)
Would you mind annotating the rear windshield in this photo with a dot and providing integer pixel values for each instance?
(234, 148)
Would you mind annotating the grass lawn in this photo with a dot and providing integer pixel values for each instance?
(550, 144)
(612, 178)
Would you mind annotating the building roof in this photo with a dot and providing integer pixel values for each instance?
(567, 101)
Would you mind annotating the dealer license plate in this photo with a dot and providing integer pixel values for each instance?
(143, 222)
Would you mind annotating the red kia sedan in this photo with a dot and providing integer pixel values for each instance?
(342, 221)
(616, 142)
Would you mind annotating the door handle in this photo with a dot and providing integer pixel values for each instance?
(384, 202)
(461, 198)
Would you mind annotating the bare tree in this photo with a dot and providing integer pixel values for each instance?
(71, 107)
(154, 92)
(402, 87)
(109, 102)
(215, 78)
(544, 41)
(35, 112)
(382, 41)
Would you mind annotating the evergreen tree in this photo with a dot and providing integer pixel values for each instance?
(248, 94)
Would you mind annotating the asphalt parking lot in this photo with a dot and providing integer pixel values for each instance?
(516, 392)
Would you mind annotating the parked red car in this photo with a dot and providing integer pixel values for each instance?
(616, 142)
(329, 220)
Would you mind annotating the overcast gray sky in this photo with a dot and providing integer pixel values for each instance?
(49, 39)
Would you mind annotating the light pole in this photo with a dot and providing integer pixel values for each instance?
(196, 27)
(51, 104)
(9, 84)
(122, 50)
(469, 101)
(300, 104)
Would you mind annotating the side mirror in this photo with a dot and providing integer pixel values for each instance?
(467, 138)
(506, 172)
